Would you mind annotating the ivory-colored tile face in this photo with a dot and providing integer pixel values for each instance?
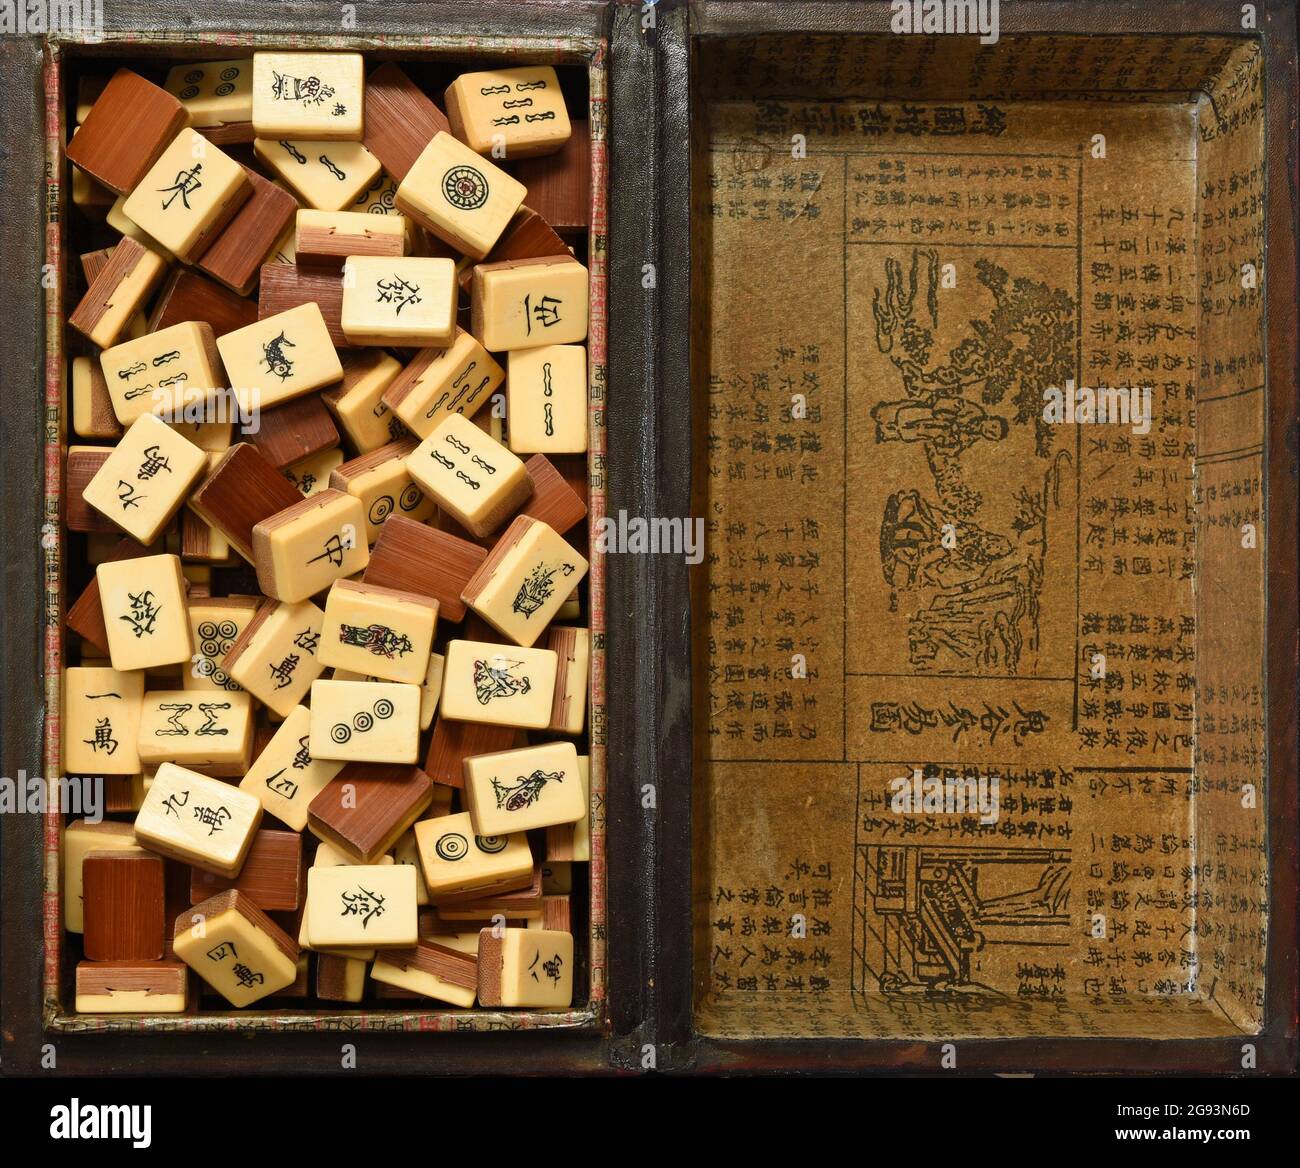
(80, 838)
(456, 860)
(546, 400)
(536, 968)
(476, 480)
(300, 555)
(326, 175)
(197, 820)
(285, 777)
(380, 198)
(386, 489)
(378, 631)
(278, 663)
(362, 721)
(144, 612)
(242, 955)
(500, 684)
(330, 237)
(462, 198)
(357, 405)
(101, 721)
(195, 728)
(518, 790)
(308, 95)
(280, 357)
(430, 687)
(188, 194)
(509, 113)
(362, 905)
(455, 380)
(146, 479)
(408, 301)
(312, 475)
(215, 625)
(524, 304)
(430, 969)
(214, 93)
(160, 372)
(522, 591)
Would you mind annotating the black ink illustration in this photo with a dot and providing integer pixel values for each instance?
(546, 312)
(174, 802)
(211, 711)
(452, 846)
(334, 547)
(497, 679)
(307, 91)
(491, 844)
(537, 588)
(216, 638)
(282, 671)
(362, 721)
(973, 576)
(364, 904)
(213, 818)
(103, 739)
(377, 639)
(525, 791)
(397, 291)
(275, 359)
(155, 462)
(186, 183)
(281, 785)
(144, 613)
(465, 188)
(550, 968)
(128, 496)
(927, 912)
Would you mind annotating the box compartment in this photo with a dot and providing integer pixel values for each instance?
(914, 581)
(433, 62)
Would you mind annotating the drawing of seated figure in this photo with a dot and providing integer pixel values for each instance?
(912, 551)
(949, 423)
